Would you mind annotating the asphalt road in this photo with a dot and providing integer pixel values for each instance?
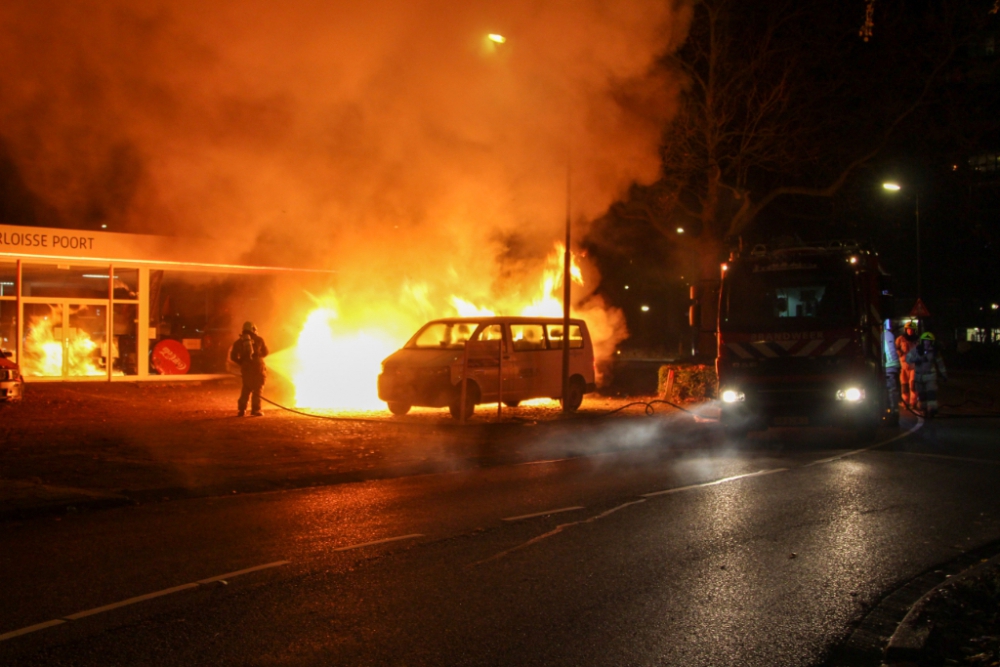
(763, 553)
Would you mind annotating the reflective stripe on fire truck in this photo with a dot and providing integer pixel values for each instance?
(740, 352)
(838, 345)
(809, 348)
(772, 350)
(766, 350)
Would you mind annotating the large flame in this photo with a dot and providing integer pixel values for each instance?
(48, 350)
(335, 367)
(335, 362)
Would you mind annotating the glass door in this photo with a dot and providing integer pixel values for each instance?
(65, 339)
(43, 346)
(85, 340)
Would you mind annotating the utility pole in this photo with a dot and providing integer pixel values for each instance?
(566, 296)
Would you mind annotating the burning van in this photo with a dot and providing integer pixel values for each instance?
(11, 382)
(510, 359)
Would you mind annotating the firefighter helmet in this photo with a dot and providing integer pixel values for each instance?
(248, 326)
(927, 335)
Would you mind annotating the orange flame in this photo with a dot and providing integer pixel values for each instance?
(335, 364)
(47, 349)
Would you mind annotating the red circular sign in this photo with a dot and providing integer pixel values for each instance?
(171, 358)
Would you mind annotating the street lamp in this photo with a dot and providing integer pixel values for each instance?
(896, 187)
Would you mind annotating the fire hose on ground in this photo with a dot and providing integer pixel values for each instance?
(649, 410)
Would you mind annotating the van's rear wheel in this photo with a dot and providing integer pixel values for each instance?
(574, 395)
(471, 398)
(512, 404)
(398, 407)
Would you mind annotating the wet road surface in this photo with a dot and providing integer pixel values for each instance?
(761, 553)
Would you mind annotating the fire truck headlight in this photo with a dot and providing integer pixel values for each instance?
(733, 396)
(851, 395)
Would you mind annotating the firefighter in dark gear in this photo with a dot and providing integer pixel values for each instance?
(248, 353)
(906, 342)
(928, 367)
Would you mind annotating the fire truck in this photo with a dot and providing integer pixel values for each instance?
(800, 339)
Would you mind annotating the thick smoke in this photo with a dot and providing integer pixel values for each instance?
(391, 141)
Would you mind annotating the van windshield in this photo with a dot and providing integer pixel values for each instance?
(786, 300)
(443, 336)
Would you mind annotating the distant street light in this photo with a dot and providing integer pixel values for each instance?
(497, 39)
(680, 230)
(896, 187)
(644, 309)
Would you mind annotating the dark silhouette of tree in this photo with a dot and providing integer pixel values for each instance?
(788, 99)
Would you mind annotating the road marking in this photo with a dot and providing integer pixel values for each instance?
(230, 575)
(558, 529)
(916, 427)
(30, 628)
(139, 598)
(537, 514)
(712, 483)
(535, 463)
(125, 603)
(388, 539)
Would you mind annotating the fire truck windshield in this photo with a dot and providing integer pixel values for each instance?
(785, 300)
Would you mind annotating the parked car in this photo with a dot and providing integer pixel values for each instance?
(427, 371)
(11, 382)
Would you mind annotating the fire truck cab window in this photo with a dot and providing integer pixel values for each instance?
(443, 335)
(785, 299)
(798, 301)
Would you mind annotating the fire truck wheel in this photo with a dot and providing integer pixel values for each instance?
(574, 394)
(398, 408)
(471, 398)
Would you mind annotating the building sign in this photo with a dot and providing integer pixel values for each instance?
(170, 357)
(52, 243)
(30, 239)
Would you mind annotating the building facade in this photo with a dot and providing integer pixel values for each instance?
(86, 305)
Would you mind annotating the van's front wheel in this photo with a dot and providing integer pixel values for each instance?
(398, 408)
(574, 395)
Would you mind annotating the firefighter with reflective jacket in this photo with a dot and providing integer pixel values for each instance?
(892, 366)
(906, 342)
(927, 368)
(248, 352)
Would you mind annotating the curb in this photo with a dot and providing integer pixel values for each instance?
(907, 644)
(868, 645)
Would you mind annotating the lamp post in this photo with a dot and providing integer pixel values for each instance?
(896, 187)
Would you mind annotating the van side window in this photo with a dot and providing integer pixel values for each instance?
(555, 332)
(527, 337)
(491, 332)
